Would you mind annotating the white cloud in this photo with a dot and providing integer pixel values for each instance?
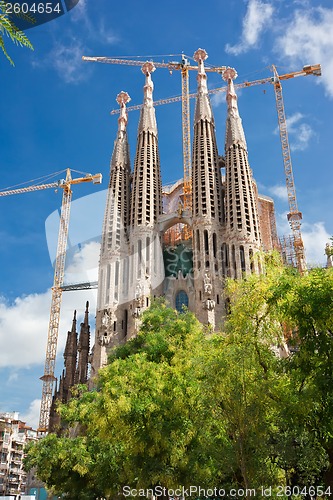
(257, 19)
(79, 12)
(315, 237)
(218, 99)
(305, 133)
(278, 191)
(24, 323)
(84, 264)
(107, 35)
(308, 39)
(68, 47)
(67, 60)
(31, 417)
(299, 133)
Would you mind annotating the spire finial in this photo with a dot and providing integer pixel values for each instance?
(147, 120)
(200, 56)
(122, 99)
(147, 69)
(74, 322)
(86, 314)
(229, 75)
(234, 130)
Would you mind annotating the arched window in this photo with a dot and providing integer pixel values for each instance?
(242, 258)
(181, 300)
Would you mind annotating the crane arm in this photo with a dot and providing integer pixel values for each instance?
(96, 179)
(30, 188)
(172, 65)
(314, 69)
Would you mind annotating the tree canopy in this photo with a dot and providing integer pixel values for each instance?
(179, 407)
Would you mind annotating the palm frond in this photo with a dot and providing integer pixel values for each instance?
(12, 31)
(2, 46)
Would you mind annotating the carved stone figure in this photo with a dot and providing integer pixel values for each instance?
(207, 284)
(105, 319)
(136, 312)
(209, 304)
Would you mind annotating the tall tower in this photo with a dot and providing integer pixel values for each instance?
(207, 209)
(146, 264)
(81, 376)
(241, 239)
(70, 357)
(112, 313)
(224, 221)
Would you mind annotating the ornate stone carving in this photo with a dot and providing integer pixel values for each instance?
(136, 312)
(104, 339)
(106, 319)
(209, 304)
(207, 284)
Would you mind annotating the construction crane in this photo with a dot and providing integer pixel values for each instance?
(184, 66)
(48, 377)
(294, 215)
(307, 70)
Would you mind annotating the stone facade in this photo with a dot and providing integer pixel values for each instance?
(76, 360)
(145, 252)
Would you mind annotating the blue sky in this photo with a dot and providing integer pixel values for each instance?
(55, 114)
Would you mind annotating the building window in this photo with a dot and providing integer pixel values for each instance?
(181, 300)
(206, 241)
(214, 245)
(242, 258)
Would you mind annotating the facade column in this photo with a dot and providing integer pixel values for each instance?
(147, 270)
(207, 208)
(241, 239)
(112, 311)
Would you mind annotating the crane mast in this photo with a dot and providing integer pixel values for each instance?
(48, 377)
(294, 216)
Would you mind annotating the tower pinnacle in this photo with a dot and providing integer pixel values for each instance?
(147, 117)
(122, 99)
(86, 314)
(234, 129)
(200, 56)
(74, 322)
(203, 109)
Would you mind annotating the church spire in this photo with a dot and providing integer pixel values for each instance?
(234, 128)
(206, 176)
(70, 356)
(147, 116)
(83, 348)
(203, 110)
(146, 203)
(207, 211)
(113, 265)
(242, 221)
(116, 217)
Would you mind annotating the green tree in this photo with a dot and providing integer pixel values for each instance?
(177, 406)
(298, 308)
(170, 409)
(8, 28)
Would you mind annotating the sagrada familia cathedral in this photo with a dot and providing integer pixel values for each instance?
(154, 246)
